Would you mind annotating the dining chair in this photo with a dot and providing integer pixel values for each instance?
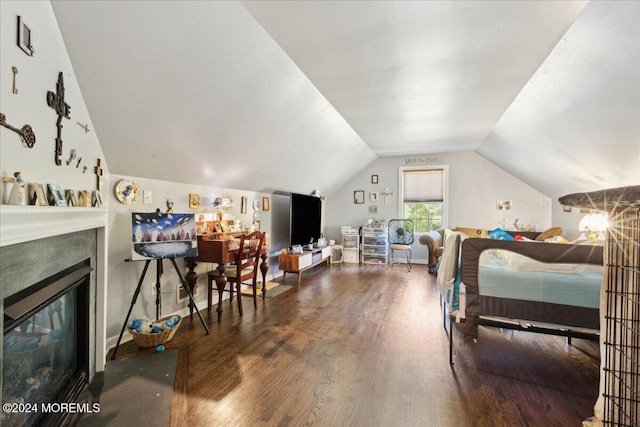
(244, 271)
(400, 239)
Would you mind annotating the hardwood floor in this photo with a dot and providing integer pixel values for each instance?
(361, 346)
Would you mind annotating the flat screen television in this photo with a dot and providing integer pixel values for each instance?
(306, 219)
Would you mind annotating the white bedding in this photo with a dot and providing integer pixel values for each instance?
(506, 274)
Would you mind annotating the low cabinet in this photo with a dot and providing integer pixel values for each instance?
(297, 263)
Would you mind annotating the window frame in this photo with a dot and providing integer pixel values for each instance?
(445, 190)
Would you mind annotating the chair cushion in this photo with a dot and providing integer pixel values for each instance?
(231, 271)
(399, 247)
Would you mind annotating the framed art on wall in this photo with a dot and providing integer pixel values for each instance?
(157, 235)
(358, 197)
(374, 179)
(24, 37)
(265, 204)
(127, 191)
(194, 201)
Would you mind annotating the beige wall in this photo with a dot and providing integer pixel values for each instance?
(474, 184)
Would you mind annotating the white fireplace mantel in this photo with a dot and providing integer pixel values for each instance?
(20, 224)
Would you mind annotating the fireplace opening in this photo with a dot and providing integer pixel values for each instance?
(46, 345)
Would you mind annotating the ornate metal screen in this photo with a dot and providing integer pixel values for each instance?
(622, 334)
(619, 398)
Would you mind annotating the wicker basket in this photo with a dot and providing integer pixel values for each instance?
(151, 340)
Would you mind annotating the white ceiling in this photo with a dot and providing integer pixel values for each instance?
(302, 95)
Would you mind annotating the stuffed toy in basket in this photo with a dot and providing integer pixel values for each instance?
(150, 334)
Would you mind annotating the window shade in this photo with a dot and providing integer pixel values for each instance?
(423, 185)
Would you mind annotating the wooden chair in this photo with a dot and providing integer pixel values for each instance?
(400, 239)
(244, 270)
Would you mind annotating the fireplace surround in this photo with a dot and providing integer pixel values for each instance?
(46, 346)
(37, 243)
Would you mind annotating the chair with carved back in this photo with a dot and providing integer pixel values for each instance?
(244, 271)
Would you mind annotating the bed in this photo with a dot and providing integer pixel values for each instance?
(532, 286)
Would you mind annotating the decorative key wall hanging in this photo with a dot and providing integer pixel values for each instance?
(26, 133)
(56, 101)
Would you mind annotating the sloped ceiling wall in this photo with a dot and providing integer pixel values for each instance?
(575, 126)
(197, 92)
(302, 95)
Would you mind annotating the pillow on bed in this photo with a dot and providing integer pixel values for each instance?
(500, 234)
(521, 262)
(549, 232)
(473, 232)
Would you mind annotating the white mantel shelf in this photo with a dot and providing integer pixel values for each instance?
(19, 224)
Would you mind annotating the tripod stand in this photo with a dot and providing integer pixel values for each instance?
(159, 271)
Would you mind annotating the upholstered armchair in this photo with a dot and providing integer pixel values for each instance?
(434, 241)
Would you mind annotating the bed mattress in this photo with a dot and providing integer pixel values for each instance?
(505, 274)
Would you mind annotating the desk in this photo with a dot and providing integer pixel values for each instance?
(222, 253)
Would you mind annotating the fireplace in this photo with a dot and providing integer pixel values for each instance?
(46, 346)
(52, 322)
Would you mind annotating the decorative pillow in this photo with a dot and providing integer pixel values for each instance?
(473, 232)
(500, 234)
(549, 232)
(556, 239)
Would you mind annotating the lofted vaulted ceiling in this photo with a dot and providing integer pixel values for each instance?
(299, 95)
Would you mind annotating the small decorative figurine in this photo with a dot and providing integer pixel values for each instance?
(84, 199)
(18, 194)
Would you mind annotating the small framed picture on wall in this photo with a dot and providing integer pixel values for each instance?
(374, 179)
(373, 196)
(194, 201)
(358, 197)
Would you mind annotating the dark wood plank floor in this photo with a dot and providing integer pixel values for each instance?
(361, 346)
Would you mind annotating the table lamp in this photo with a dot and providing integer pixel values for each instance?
(594, 224)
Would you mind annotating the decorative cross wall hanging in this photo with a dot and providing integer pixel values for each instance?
(56, 101)
(98, 171)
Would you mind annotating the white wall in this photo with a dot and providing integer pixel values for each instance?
(36, 76)
(473, 187)
(124, 276)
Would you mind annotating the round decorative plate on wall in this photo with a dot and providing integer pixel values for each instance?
(127, 191)
(256, 205)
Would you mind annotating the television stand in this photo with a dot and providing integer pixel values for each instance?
(297, 263)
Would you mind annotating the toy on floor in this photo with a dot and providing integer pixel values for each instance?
(146, 326)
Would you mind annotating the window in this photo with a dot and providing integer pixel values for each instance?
(423, 197)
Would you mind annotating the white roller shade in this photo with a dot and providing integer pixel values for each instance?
(423, 185)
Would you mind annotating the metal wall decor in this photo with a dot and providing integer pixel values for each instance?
(72, 156)
(98, 171)
(26, 133)
(56, 101)
(85, 127)
(14, 70)
(24, 37)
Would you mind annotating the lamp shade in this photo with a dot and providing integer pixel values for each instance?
(595, 222)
